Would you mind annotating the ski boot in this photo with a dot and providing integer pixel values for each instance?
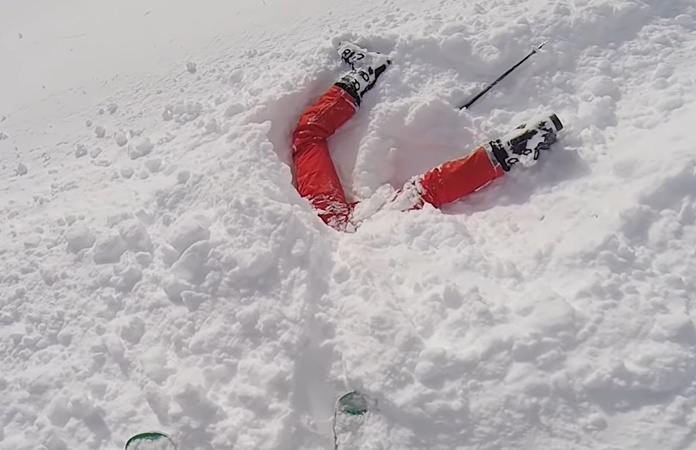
(525, 142)
(367, 67)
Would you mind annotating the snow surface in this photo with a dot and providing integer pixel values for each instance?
(159, 271)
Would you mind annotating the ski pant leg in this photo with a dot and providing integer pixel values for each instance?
(452, 180)
(317, 179)
(455, 179)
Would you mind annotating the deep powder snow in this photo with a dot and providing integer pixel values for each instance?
(159, 271)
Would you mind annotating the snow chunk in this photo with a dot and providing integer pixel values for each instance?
(174, 286)
(127, 172)
(65, 337)
(167, 114)
(548, 312)
(114, 346)
(153, 164)
(79, 237)
(21, 169)
(220, 99)
(602, 85)
(186, 231)
(80, 151)
(673, 327)
(183, 176)
(133, 330)
(120, 138)
(112, 108)
(191, 66)
(168, 254)
(190, 393)
(143, 258)
(192, 300)
(235, 77)
(100, 131)
(684, 19)
(234, 109)
(141, 149)
(135, 235)
(595, 422)
(183, 112)
(212, 126)
(32, 241)
(57, 411)
(144, 216)
(109, 248)
(154, 363)
(115, 219)
(125, 277)
(191, 266)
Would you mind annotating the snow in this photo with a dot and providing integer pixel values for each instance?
(121, 139)
(175, 280)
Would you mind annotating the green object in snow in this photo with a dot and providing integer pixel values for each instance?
(353, 403)
(350, 417)
(152, 440)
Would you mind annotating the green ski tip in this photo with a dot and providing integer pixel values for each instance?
(353, 403)
(151, 440)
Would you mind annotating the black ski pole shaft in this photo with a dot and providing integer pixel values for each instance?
(500, 78)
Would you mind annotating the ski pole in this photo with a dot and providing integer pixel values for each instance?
(488, 88)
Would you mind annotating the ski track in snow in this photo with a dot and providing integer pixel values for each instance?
(159, 271)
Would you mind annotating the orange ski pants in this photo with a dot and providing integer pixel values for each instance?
(318, 181)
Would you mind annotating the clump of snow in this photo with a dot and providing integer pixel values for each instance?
(144, 258)
(80, 150)
(211, 126)
(186, 231)
(191, 66)
(126, 275)
(220, 99)
(120, 138)
(32, 241)
(154, 165)
(142, 148)
(21, 169)
(234, 109)
(183, 176)
(684, 19)
(100, 131)
(112, 108)
(79, 237)
(173, 286)
(168, 254)
(108, 248)
(127, 172)
(135, 235)
(192, 264)
(182, 112)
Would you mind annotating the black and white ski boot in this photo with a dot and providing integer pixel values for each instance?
(367, 67)
(525, 142)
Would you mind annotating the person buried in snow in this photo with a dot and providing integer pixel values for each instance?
(317, 179)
